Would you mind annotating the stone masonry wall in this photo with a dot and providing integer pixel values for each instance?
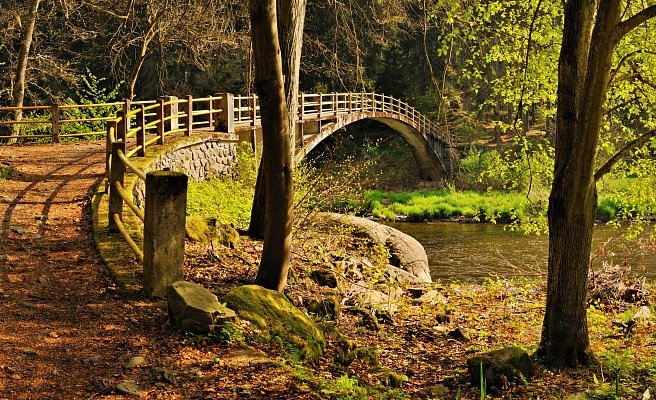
(199, 160)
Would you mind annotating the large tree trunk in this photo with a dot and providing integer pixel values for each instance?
(276, 152)
(290, 19)
(583, 73)
(18, 90)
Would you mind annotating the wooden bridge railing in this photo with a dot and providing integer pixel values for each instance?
(225, 112)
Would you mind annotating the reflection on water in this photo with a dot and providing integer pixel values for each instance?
(469, 252)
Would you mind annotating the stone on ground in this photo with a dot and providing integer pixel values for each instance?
(511, 364)
(192, 308)
(328, 308)
(279, 320)
(324, 277)
(129, 388)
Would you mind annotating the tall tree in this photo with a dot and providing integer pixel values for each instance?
(277, 152)
(290, 20)
(18, 89)
(592, 31)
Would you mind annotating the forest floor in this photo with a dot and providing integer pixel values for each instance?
(68, 332)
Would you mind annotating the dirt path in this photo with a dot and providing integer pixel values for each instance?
(63, 331)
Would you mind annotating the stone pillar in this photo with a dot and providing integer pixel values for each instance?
(225, 122)
(164, 230)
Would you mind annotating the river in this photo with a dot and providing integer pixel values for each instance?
(471, 252)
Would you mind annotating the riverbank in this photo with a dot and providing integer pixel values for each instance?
(420, 349)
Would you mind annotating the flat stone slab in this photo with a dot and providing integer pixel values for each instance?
(192, 308)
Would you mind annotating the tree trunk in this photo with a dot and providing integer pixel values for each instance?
(290, 19)
(18, 90)
(276, 152)
(572, 203)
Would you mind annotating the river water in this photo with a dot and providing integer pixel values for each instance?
(471, 252)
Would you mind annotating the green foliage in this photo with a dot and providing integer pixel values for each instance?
(228, 200)
(5, 173)
(226, 333)
(440, 204)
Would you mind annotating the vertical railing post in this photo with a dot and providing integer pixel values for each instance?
(189, 120)
(320, 108)
(109, 138)
(350, 103)
(121, 129)
(164, 230)
(127, 105)
(54, 119)
(170, 113)
(253, 110)
(335, 104)
(225, 122)
(116, 174)
(160, 120)
(141, 133)
(301, 107)
(210, 112)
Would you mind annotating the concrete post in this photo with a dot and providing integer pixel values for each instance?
(164, 230)
(225, 122)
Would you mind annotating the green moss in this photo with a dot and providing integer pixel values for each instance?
(272, 312)
(5, 173)
(197, 229)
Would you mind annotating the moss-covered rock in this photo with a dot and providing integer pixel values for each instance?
(327, 309)
(197, 229)
(226, 235)
(272, 312)
(201, 230)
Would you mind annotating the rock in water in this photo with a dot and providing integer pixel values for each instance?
(192, 308)
(511, 364)
(272, 312)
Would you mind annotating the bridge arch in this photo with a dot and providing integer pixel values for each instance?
(433, 159)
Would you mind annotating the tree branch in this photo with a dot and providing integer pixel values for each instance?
(633, 22)
(640, 141)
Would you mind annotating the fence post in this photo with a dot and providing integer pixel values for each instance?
(116, 174)
(226, 119)
(253, 108)
(335, 104)
(350, 103)
(111, 133)
(189, 120)
(121, 127)
(141, 133)
(170, 110)
(160, 120)
(164, 230)
(127, 104)
(210, 114)
(54, 112)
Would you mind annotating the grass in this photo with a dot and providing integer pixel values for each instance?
(5, 173)
(225, 199)
(444, 204)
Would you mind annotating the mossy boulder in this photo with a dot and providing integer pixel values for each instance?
(202, 230)
(197, 229)
(327, 309)
(509, 364)
(274, 314)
